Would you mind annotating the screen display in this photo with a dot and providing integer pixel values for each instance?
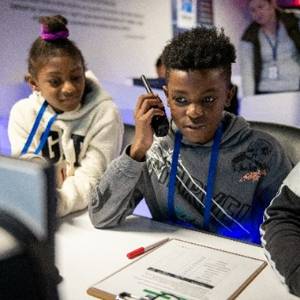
(24, 193)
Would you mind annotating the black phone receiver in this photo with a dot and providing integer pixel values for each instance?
(160, 124)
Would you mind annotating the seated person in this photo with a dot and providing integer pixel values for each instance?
(281, 232)
(157, 82)
(68, 119)
(270, 50)
(212, 170)
(160, 68)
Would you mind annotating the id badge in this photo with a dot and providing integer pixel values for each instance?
(273, 72)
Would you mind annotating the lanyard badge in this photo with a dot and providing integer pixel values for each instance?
(273, 72)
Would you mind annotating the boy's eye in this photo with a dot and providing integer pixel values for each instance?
(180, 100)
(208, 100)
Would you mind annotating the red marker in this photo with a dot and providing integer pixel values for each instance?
(141, 250)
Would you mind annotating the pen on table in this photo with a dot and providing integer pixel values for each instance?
(141, 250)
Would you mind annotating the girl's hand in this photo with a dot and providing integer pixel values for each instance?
(147, 106)
(61, 173)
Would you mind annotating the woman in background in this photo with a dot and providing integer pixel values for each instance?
(270, 50)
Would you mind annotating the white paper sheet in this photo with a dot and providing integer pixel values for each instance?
(187, 270)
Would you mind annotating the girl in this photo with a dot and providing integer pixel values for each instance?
(68, 119)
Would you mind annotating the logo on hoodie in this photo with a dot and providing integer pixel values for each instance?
(254, 162)
(52, 148)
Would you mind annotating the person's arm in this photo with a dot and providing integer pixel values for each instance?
(104, 141)
(247, 68)
(281, 237)
(117, 193)
(121, 188)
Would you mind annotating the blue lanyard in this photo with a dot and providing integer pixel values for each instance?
(35, 126)
(172, 179)
(210, 179)
(274, 46)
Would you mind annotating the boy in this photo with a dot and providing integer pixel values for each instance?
(224, 174)
(281, 232)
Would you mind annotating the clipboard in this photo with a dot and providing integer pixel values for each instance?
(183, 271)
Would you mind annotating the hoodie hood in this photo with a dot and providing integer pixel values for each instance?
(236, 128)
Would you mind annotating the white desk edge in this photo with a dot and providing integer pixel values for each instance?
(86, 255)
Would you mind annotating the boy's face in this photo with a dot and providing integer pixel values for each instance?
(61, 82)
(197, 100)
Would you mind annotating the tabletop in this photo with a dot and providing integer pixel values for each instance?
(85, 255)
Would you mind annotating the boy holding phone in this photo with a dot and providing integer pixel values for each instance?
(212, 171)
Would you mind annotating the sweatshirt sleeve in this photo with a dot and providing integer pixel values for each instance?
(247, 68)
(281, 232)
(104, 145)
(117, 193)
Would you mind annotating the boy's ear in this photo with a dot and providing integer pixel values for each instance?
(230, 94)
(165, 89)
(32, 82)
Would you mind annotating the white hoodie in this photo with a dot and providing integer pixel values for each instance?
(85, 139)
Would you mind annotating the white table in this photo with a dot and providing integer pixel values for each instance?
(86, 255)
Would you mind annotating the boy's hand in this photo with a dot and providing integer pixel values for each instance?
(147, 106)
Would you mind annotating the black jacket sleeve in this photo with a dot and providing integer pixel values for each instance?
(281, 237)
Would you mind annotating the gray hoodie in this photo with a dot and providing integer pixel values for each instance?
(251, 167)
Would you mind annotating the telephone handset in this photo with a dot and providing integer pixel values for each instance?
(160, 124)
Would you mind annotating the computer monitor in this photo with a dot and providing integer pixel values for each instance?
(27, 215)
(27, 193)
